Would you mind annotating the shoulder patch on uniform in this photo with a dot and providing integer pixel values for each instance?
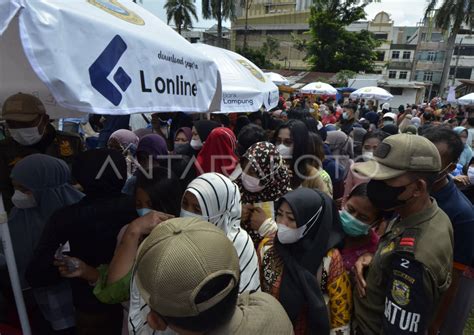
(65, 148)
(400, 293)
(389, 247)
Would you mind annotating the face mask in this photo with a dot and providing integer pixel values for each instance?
(251, 184)
(286, 152)
(196, 144)
(288, 235)
(23, 201)
(470, 174)
(388, 122)
(353, 226)
(26, 136)
(367, 155)
(186, 214)
(345, 116)
(181, 148)
(463, 140)
(383, 196)
(143, 211)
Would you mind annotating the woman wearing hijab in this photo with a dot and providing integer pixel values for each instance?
(182, 141)
(218, 154)
(216, 199)
(293, 142)
(302, 268)
(149, 151)
(264, 180)
(201, 131)
(126, 142)
(123, 140)
(466, 154)
(42, 187)
(91, 227)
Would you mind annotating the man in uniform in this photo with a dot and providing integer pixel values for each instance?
(399, 288)
(30, 132)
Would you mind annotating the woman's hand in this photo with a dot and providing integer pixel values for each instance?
(462, 180)
(145, 224)
(71, 267)
(257, 218)
(362, 263)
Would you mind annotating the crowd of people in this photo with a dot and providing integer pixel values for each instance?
(318, 217)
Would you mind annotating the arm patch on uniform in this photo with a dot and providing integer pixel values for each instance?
(407, 306)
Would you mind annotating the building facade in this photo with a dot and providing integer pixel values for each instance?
(282, 20)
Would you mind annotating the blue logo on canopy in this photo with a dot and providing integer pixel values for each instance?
(103, 66)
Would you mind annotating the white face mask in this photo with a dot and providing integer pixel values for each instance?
(196, 144)
(251, 184)
(470, 174)
(289, 235)
(26, 136)
(286, 152)
(23, 201)
(367, 155)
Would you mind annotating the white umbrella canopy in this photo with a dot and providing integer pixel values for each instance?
(101, 56)
(318, 88)
(467, 99)
(245, 88)
(372, 92)
(277, 78)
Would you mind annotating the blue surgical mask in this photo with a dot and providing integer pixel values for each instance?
(143, 211)
(353, 226)
(345, 116)
(186, 214)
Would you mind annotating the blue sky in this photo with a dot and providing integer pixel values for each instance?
(396, 8)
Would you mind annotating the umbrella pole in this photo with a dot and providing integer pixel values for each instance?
(12, 270)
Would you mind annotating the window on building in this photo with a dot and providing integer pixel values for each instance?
(392, 74)
(403, 75)
(436, 37)
(396, 90)
(380, 56)
(195, 39)
(431, 56)
(428, 76)
(465, 50)
(423, 37)
(461, 72)
(395, 54)
(406, 54)
(381, 37)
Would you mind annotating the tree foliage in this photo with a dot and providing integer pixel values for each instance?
(270, 49)
(220, 10)
(332, 48)
(450, 17)
(181, 12)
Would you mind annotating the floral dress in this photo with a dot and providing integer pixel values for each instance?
(334, 281)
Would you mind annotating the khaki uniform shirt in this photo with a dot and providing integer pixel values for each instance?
(55, 143)
(410, 271)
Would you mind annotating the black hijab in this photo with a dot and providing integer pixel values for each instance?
(204, 128)
(303, 258)
(100, 172)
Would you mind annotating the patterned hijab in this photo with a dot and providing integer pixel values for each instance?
(265, 159)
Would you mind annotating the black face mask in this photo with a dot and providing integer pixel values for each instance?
(383, 196)
(470, 121)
